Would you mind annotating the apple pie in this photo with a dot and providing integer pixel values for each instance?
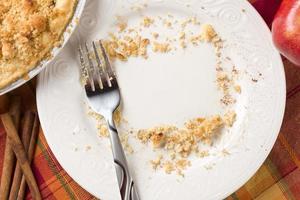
(29, 29)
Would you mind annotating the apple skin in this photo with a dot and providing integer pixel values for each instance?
(286, 30)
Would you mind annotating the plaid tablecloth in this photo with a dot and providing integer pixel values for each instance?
(278, 178)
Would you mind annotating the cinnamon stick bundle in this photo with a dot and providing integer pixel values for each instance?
(31, 150)
(9, 157)
(27, 124)
(21, 155)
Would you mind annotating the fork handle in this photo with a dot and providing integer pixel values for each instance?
(126, 184)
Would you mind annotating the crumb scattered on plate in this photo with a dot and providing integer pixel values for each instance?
(173, 144)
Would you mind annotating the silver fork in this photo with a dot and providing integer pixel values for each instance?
(103, 95)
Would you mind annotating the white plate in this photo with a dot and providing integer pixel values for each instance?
(31, 74)
(168, 89)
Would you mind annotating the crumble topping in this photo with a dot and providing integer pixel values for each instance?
(126, 46)
(122, 26)
(102, 130)
(28, 32)
(147, 21)
(208, 32)
(156, 162)
(127, 147)
(229, 118)
(155, 35)
(184, 141)
(161, 47)
(202, 154)
(168, 167)
(238, 89)
(182, 164)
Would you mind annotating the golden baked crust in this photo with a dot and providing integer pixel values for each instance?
(29, 29)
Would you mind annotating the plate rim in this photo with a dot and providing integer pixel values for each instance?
(281, 115)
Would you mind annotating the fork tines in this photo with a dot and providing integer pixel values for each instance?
(96, 68)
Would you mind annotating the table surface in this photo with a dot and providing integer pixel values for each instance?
(278, 178)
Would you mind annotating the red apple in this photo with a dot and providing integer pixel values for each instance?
(286, 30)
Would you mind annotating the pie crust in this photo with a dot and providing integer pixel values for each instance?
(29, 30)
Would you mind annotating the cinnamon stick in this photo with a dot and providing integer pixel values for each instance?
(15, 110)
(31, 150)
(4, 103)
(27, 124)
(9, 157)
(21, 155)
